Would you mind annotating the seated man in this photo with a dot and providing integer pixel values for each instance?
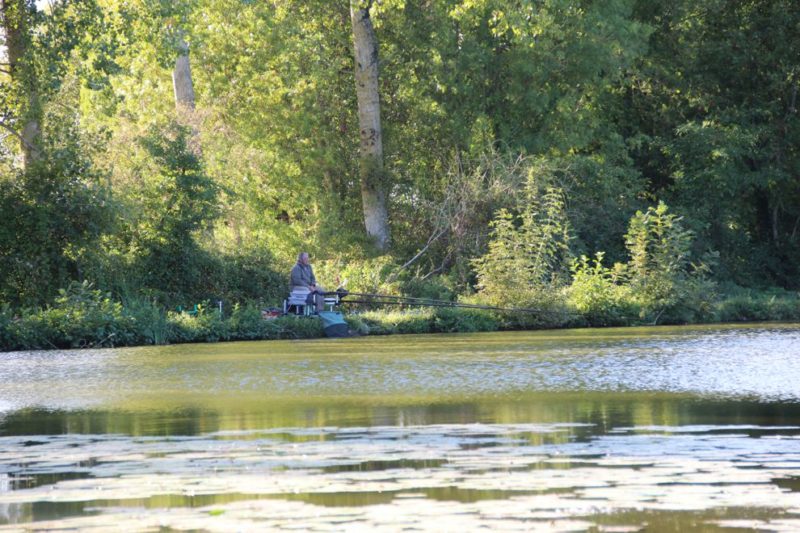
(302, 280)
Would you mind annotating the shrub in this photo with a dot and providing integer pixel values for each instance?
(150, 321)
(435, 288)
(412, 321)
(246, 322)
(747, 305)
(597, 294)
(293, 327)
(425, 320)
(447, 320)
(660, 276)
(6, 317)
(80, 317)
(364, 275)
(528, 251)
(357, 324)
(207, 325)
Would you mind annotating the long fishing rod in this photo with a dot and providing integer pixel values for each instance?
(388, 299)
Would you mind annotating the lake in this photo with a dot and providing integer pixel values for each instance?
(625, 429)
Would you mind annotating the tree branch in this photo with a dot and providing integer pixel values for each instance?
(432, 272)
(16, 134)
(408, 263)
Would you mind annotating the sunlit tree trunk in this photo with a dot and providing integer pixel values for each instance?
(373, 196)
(14, 15)
(184, 96)
(182, 80)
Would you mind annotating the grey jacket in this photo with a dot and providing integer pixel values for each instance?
(302, 276)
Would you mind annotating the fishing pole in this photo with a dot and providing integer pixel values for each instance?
(388, 299)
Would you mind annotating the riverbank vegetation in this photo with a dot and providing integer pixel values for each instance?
(82, 317)
(601, 163)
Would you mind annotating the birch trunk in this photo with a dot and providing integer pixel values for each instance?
(376, 219)
(15, 25)
(182, 81)
(183, 88)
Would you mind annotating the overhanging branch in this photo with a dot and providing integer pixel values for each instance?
(408, 263)
(16, 134)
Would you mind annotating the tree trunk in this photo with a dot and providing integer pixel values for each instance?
(183, 88)
(376, 218)
(14, 15)
(182, 80)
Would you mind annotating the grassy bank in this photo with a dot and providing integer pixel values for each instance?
(86, 318)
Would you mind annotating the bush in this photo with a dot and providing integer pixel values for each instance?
(389, 322)
(597, 295)
(150, 321)
(527, 253)
(80, 317)
(747, 305)
(6, 317)
(292, 327)
(449, 320)
(425, 320)
(659, 273)
(357, 324)
(207, 325)
(365, 275)
(246, 322)
(435, 288)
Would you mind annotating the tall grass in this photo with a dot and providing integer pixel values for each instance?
(83, 317)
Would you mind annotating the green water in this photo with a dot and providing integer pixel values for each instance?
(651, 429)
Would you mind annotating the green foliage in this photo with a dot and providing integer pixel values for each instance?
(167, 210)
(529, 251)
(80, 317)
(433, 288)
(424, 320)
(151, 324)
(658, 283)
(558, 119)
(390, 322)
(177, 202)
(6, 318)
(659, 273)
(84, 317)
(449, 320)
(207, 325)
(50, 214)
(247, 322)
(718, 130)
(598, 294)
(742, 305)
(369, 275)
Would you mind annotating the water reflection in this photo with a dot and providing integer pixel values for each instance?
(648, 428)
(756, 362)
(602, 411)
(540, 472)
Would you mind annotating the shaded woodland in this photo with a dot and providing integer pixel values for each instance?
(624, 159)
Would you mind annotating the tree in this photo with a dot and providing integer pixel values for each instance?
(373, 195)
(16, 18)
(182, 79)
(177, 201)
(39, 49)
(711, 112)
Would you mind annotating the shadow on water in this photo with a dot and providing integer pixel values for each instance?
(600, 412)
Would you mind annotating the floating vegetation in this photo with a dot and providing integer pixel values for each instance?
(392, 477)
